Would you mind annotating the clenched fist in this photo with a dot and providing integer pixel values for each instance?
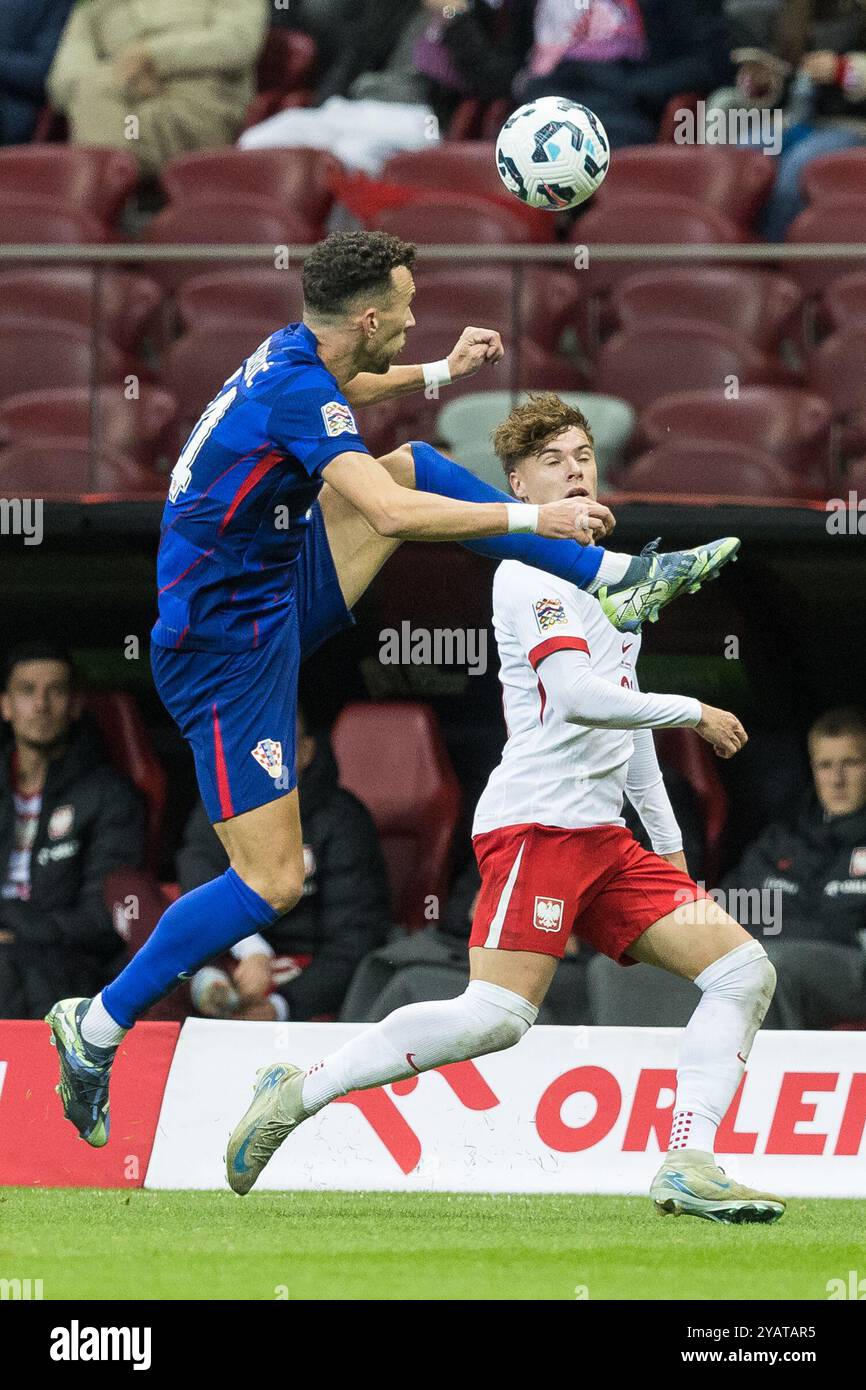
(473, 348)
(723, 731)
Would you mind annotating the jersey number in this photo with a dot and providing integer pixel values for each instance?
(181, 474)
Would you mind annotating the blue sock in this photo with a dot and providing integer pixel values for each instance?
(579, 564)
(199, 925)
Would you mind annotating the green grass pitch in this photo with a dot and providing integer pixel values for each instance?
(87, 1244)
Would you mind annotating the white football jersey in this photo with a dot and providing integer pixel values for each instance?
(553, 771)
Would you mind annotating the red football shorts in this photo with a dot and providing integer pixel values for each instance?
(540, 883)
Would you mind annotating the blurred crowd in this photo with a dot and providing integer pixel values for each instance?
(70, 819)
(389, 75)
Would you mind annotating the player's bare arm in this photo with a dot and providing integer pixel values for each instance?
(475, 348)
(396, 511)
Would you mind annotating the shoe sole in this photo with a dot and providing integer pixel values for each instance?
(739, 1213)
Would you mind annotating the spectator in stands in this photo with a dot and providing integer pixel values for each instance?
(301, 967)
(815, 865)
(434, 964)
(625, 59)
(66, 820)
(473, 48)
(29, 34)
(371, 101)
(800, 888)
(323, 20)
(159, 78)
(815, 64)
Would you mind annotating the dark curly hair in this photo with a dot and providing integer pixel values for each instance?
(351, 263)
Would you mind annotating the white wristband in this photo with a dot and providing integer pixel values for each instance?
(437, 374)
(521, 517)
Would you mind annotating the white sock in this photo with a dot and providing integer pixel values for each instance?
(486, 1018)
(737, 990)
(612, 569)
(99, 1028)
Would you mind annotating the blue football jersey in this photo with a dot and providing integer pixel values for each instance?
(240, 495)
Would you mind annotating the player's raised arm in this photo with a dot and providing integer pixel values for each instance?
(474, 348)
(403, 513)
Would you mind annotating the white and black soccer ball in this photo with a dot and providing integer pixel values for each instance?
(552, 153)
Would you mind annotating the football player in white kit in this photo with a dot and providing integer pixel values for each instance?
(556, 859)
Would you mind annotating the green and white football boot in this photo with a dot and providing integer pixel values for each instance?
(84, 1072)
(628, 605)
(690, 1183)
(275, 1111)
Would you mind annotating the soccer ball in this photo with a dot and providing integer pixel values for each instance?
(552, 153)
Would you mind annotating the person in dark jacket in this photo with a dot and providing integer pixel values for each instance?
(807, 879)
(301, 967)
(626, 65)
(30, 31)
(66, 819)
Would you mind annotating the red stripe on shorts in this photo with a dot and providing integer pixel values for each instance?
(222, 771)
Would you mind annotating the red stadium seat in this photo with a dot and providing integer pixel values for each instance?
(31, 360)
(195, 366)
(286, 65)
(731, 180)
(759, 304)
(484, 295)
(151, 898)
(392, 756)
(646, 221)
(232, 298)
(456, 166)
(128, 744)
(834, 176)
(260, 221)
(88, 179)
(145, 429)
(434, 219)
(842, 220)
(843, 304)
(642, 364)
(117, 303)
(28, 223)
(693, 759)
(687, 468)
(72, 470)
(792, 425)
(297, 179)
(836, 371)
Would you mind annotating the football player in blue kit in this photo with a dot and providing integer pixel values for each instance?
(276, 521)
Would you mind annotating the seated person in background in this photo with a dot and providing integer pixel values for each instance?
(300, 969)
(433, 964)
(625, 59)
(161, 78)
(66, 819)
(29, 34)
(812, 871)
(370, 102)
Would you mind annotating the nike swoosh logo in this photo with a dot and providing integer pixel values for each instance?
(240, 1164)
(409, 1056)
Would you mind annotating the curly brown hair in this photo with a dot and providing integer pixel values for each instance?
(351, 263)
(532, 424)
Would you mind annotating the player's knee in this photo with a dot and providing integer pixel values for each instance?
(281, 890)
(500, 1017)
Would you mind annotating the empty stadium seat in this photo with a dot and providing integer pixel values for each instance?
(31, 361)
(72, 470)
(484, 295)
(646, 221)
(456, 166)
(641, 364)
(466, 424)
(392, 756)
(759, 304)
(119, 304)
(793, 425)
(691, 756)
(129, 747)
(840, 220)
(195, 366)
(686, 468)
(145, 428)
(833, 176)
(262, 221)
(729, 179)
(89, 179)
(836, 369)
(151, 898)
(297, 179)
(434, 219)
(843, 304)
(232, 298)
(27, 223)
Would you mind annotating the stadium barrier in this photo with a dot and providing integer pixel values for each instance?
(568, 1110)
